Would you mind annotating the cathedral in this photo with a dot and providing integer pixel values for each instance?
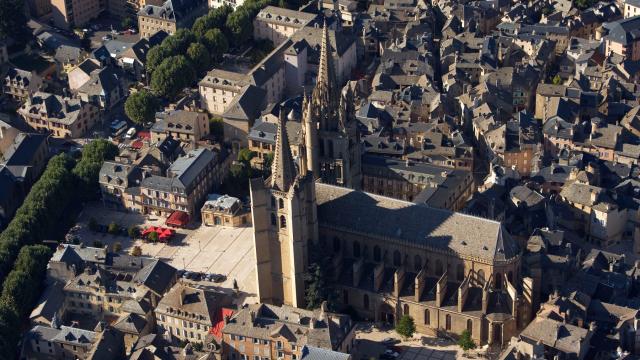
(451, 272)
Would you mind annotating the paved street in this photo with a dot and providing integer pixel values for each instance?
(424, 353)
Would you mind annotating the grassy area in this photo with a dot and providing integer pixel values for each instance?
(31, 62)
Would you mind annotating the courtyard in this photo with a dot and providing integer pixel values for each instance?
(220, 250)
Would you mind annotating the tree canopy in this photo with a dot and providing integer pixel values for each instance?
(406, 326)
(174, 74)
(13, 20)
(465, 341)
(141, 107)
(199, 57)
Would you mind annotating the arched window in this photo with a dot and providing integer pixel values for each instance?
(345, 297)
(365, 302)
(217, 221)
(376, 253)
(336, 244)
(481, 277)
(460, 272)
(439, 268)
(470, 326)
(427, 317)
(283, 222)
(397, 261)
(498, 280)
(447, 322)
(281, 204)
(417, 263)
(356, 249)
(273, 202)
(274, 220)
(426, 265)
(405, 309)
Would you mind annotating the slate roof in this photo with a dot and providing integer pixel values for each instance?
(183, 172)
(60, 109)
(624, 31)
(388, 218)
(315, 353)
(156, 275)
(564, 337)
(23, 149)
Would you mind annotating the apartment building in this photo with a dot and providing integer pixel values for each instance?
(68, 14)
(190, 313)
(225, 210)
(277, 24)
(20, 84)
(622, 38)
(63, 117)
(185, 187)
(263, 331)
(186, 126)
(262, 139)
(631, 8)
(169, 16)
(67, 342)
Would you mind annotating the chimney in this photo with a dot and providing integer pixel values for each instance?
(312, 323)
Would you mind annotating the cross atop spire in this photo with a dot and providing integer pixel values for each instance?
(283, 171)
(325, 94)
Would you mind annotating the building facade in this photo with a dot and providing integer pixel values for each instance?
(63, 117)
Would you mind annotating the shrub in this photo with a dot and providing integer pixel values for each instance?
(153, 237)
(133, 231)
(136, 251)
(465, 341)
(117, 247)
(406, 327)
(113, 229)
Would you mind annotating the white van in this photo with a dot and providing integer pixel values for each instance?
(130, 133)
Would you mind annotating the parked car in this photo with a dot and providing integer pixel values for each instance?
(180, 272)
(186, 274)
(391, 354)
(107, 37)
(390, 341)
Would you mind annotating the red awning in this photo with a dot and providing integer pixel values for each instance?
(218, 322)
(178, 218)
(149, 230)
(145, 135)
(137, 144)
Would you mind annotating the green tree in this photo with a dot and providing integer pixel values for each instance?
(141, 107)
(117, 247)
(153, 237)
(113, 228)
(266, 165)
(318, 277)
(199, 57)
(88, 168)
(216, 127)
(465, 341)
(239, 24)
(406, 327)
(245, 156)
(173, 75)
(127, 23)
(155, 56)
(136, 251)
(216, 42)
(557, 80)
(179, 42)
(133, 231)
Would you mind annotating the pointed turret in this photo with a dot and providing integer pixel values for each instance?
(311, 139)
(283, 170)
(325, 94)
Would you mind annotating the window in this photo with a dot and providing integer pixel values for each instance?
(460, 272)
(448, 322)
(417, 263)
(481, 277)
(470, 326)
(273, 202)
(498, 281)
(356, 249)
(283, 222)
(281, 204)
(427, 317)
(439, 268)
(365, 302)
(397, 261)
(405, 309)
(274, 221)
(376, 253)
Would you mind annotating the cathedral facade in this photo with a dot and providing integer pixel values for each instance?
(451, 272)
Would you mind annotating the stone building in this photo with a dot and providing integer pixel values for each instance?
(20, 84)
(186, 126)
(449, 271)
(169, 16)
(63, 117)
(277, 24)
(225, 210)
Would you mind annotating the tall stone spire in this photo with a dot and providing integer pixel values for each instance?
(283, 170)
(311, 139)
(324, 97)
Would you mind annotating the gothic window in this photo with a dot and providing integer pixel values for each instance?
(427, 317)
(356, 249)
(447, 322)
(365, 302)
(397, 261)
(281, 204)
(481, 277)
(330, 146)
(283, 222)
(439, 268)
(470, 326)
(274, 221)
(336, 244)
(498, 280)
(417, 263)
(273, 202)
(405, 309)
(376, 253)
(460, 272)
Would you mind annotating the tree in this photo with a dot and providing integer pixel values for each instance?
(117, 247)
(88, 168)
(13, 21)
(179, 42)
(199, 57)
(465, 341)
(216, 127)
(133, 231)
(406, 326)
(113, 228)
(141, 107)
(216, 42)
(239, 24)
(317, 277)
(153, 237)
(557, 80)
(173, 75)
(266, 165)
(245, 155)
(127, 23)
(136, 251)
(155, 56)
